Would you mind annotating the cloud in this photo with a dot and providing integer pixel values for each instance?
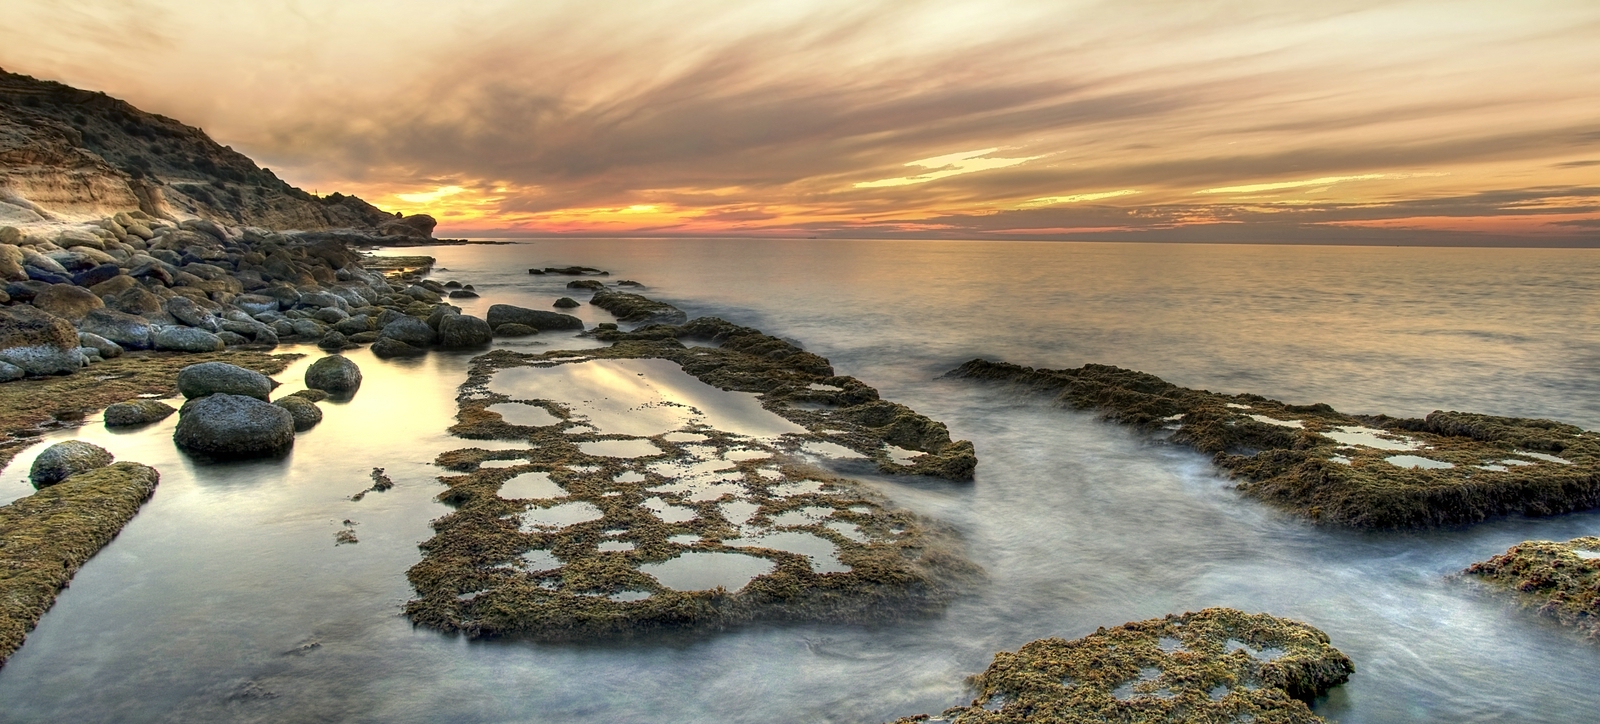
(948, 165)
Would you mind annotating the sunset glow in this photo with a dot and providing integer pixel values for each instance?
(1426, 122)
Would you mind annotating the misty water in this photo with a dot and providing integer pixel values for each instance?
(227, 600)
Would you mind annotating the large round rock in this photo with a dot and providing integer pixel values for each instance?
(186, 339)
(409, 330)
(305, 412)
(459, 331)
(65, 459)
(68, 302)
(334, 373)
(38, 342)
(211, 378)
(224, 425)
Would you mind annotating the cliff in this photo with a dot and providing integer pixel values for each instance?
(70, 155)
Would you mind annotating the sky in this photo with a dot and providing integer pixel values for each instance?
(1341, 121)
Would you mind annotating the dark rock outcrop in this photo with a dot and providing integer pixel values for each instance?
(463, 331)
(38, 342)
(335, 373)
(227, 426)
(536, 318)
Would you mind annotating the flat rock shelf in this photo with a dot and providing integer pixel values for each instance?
(1364, 471)
(1216, 665)
(1559, 580)
(676, 487)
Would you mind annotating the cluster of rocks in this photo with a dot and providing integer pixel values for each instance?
(136, 282)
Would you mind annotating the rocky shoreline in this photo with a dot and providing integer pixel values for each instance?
(1362, 471)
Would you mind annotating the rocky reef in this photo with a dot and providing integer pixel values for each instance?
(47, 536)
(1366, 471)
(1559, 580)
(1217, 665)
(586, 530)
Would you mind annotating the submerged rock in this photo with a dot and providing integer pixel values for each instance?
(1348, 469)
(210, 378)
(334, 373)
(636, 309)
(305, 412)
(539, 319)
(65, 459)
(1216, 665)
(137, 412)
(38, 342)
(1559, 580)
(226, 425)
(463, 331)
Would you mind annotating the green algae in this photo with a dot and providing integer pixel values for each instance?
(493, 570)
(1339, 468)
(1216, 665)
(47, 536)
(1553, 578)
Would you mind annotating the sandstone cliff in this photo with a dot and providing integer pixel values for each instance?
(70, 155)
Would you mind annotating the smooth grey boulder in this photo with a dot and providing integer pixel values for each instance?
(38, 342)
(421, 294)
(459, 331)
(186, 339)
(137, 412)
(212, 378)
(11, 373)
(440, 312)
(323, 299)
(537, 318)
(330, 315)
(107, 348)
(334, 341)
(224, 425)
(410, 330)
(40, 261)
(353, 325)
(306, 414)
(65, 459)
(68, 301)
(187, 311)
(390, 347)
(129, 330)
(309, 328)
(334, 373)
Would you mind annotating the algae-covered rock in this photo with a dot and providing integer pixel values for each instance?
(539, 319)
(334, 373)
(1216, 665)
(1559, 580)
(226, 425)
(1367, 471)
(137, 412)
(210, 378)
(47, 536)
(512, 329)
(638, 309)
(385, 347)
(65, 459)
(305, 412)
(566, 303)
(586, 284)
(463, 331)
(38, 342)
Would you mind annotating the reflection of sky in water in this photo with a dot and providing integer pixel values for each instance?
(619, 448)
(516, 413)
(531, 485)
(1276, 421)
(1368, 437)
(557, 516)
(821, 552)
(640, 397)
(706, 570)
(1413, 461)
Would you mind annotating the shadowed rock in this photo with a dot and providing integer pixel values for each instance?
(536, 318)
(305, 412)
(38, 342)
(137, 412)
(68, 302)
(211, 378)
(226, 426)
(463, 331)
(410, 331)
(65, 459)
(129, 330)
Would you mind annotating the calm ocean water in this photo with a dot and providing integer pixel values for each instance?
(225, 600)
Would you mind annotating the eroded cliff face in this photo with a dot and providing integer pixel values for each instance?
(70, 155)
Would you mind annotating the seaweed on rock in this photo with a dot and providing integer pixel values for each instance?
(567, 539)
(1560, 580)
(1217, 665)
(1365, 471)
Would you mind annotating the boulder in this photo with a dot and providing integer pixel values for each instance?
(537, 318)
(390, 347)
(212, 378)
(40, 261)
(460, 331)
(114, 286)
(106, 348)
(353, 325)
(137, 412)
(592, 284)
(187, 311)
(129, 330)
(323, 299)
(415, 226)
(566, 303)
(25, 290)
(186, 339)
(67, 301)
(309, 328)
(334, 373)
(306, 414)
(38, 342)
(253, 304)
(78, 237)
(409, 330)
(11, 373)
(334, 341)
(421, 294)
(136, 300)
(11, 262)
(330, 315)
(65, 459)
(224, 425)
(463, 294)
(367, 337)
(97, 275)
(514, 330)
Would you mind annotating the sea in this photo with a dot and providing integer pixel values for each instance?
(227, 600)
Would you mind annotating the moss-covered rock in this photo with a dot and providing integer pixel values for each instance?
(47, 536)
(637, 309)
(137, 412)
(1217, 665)
(1367, 471)
(1559, 580)
(65, 459)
